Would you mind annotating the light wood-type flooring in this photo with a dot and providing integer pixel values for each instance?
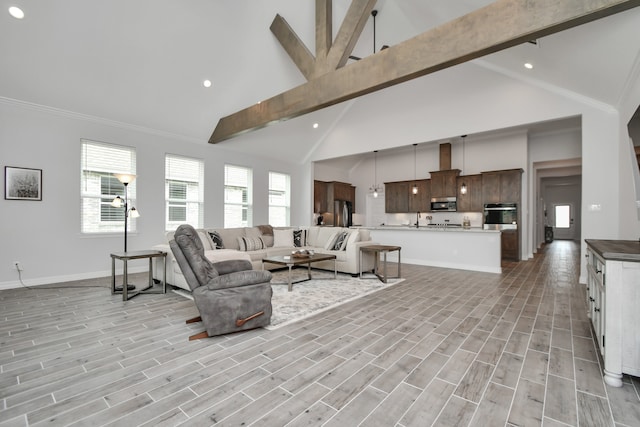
(444, 348)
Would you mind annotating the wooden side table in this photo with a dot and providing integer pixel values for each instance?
(125, 257)
(376, 250)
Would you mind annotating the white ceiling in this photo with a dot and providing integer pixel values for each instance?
(143, 62)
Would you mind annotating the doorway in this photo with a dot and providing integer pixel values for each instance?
(563, 221)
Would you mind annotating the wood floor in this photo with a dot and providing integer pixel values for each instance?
(445, 348)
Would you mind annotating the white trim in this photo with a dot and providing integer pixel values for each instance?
(68, 278)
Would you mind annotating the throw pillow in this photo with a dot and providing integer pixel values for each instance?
(217, 240)
(266, 230)
(354, 236)
(331, 241)
(268, 241)
(282, 238)
(250, 243)
(299, 238)
(341, 240)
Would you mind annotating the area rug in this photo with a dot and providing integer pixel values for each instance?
(321, 293)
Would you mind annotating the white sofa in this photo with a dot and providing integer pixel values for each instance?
(280, 242)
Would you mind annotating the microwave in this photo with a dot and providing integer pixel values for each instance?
(447, 204)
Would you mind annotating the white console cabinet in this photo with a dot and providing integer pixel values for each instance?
(613, 294)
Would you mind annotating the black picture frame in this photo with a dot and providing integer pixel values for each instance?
(22, 183)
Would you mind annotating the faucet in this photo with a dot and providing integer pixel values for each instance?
(418, 220)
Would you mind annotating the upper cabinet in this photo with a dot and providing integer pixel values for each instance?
(399, 197)
(444, 183)
(471, 201)
(319, 197)
(502, 186)
(421, 201)
(325, 193)
(396, 197)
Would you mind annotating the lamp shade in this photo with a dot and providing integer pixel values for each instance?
(134, 213)
(125, 178)
(117, 202)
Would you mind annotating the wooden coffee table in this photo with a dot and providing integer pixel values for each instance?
(291, 261)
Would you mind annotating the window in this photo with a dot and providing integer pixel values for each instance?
(99, 163)
(184, 191)
(279, 199)
(237, 197)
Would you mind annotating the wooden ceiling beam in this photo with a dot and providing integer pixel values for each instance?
(499, 25)
(298, 52)
(348, 35)
(324, 28)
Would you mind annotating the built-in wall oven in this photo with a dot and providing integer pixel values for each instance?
(500, 216)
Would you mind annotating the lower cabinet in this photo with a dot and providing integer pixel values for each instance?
(510, 245)
(613, 295)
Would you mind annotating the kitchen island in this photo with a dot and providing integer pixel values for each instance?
(449, 247)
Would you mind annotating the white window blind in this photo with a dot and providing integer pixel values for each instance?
(238, 210)
(100, 162)
(184, 191)
(279, 199)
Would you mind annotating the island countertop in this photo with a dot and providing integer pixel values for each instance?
(427, 228)
(617, 250)
(448, 247)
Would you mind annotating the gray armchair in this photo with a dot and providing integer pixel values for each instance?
(230, 295)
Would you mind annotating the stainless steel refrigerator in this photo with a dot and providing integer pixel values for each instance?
(342, 213)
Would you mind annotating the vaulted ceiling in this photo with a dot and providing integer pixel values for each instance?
(143, 62)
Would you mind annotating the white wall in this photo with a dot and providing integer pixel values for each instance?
(45, 236)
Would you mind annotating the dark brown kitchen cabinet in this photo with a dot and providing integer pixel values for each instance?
(502, 186)
(396, 196)
(471, 201)
(319, 197)
(325, 193)
(444, 183)
(510, 245)
(420, 202)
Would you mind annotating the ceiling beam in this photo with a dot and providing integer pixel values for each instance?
(500, 25)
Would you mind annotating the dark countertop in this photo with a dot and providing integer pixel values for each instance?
(616, 250)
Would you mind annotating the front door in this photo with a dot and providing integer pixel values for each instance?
(563, 222)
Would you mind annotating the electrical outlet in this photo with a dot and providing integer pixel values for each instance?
(18, 265)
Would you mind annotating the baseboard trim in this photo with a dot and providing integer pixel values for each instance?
(66, 278)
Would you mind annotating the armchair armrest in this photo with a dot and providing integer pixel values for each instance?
(232, 265)
(238, 279)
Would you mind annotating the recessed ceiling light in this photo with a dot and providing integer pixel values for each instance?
(16, 12)
(206, 83)
(528, 65)
(315, 125)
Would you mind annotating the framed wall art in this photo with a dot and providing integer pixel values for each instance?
(22, 183)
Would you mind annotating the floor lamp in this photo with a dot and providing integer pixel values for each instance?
(125, 179)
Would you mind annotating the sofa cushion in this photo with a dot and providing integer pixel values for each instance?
(226, 254)
(207, 243)
(282, 238)
(230, 236)
(352, 238)
(325, 234)
(312, 235)
(252, 232)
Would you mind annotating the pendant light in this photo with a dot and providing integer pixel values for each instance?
(414, 190)
(375, 189)
(463, 187)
